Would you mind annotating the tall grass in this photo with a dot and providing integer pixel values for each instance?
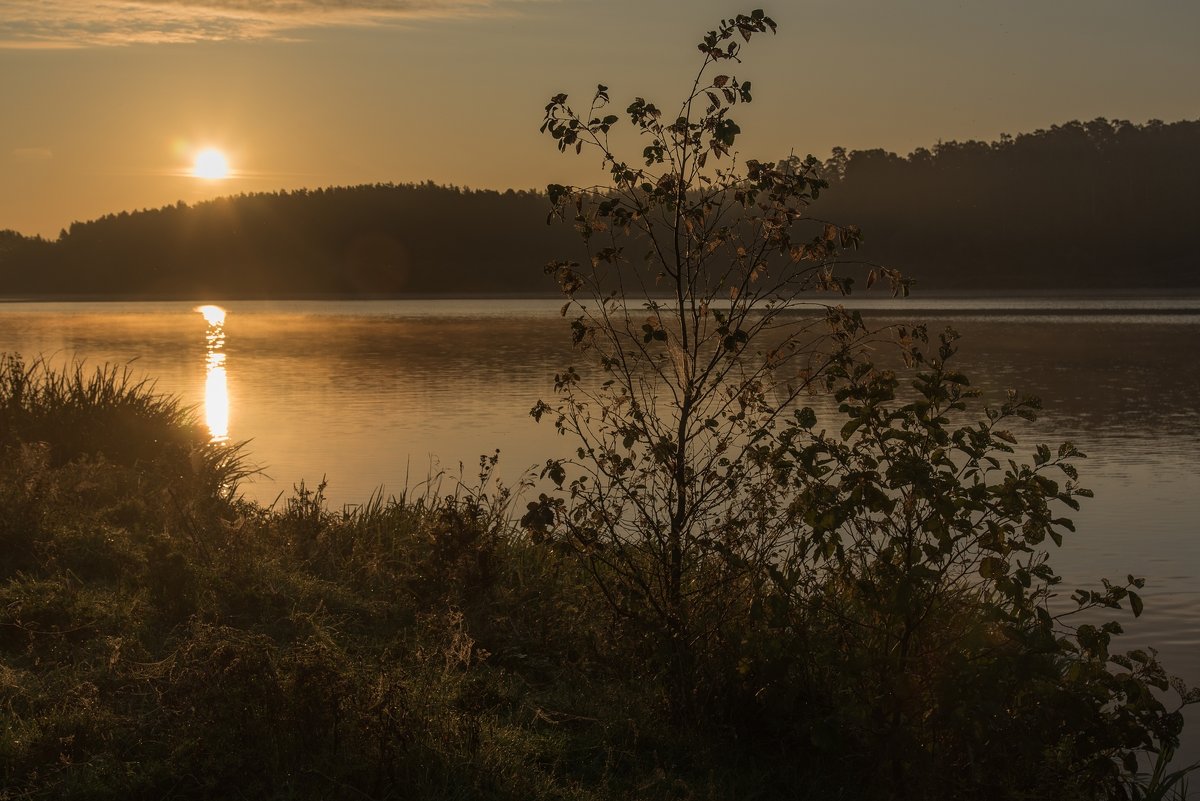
(108, 413)
(156, 642)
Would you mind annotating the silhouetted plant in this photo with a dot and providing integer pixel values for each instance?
(670, 503)
(884, 593)
(922, 586)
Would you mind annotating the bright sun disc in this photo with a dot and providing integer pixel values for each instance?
(210, 163)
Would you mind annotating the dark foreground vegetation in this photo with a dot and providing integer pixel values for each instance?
(1081, 206)
(161, 638)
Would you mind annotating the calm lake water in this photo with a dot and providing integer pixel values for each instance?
(381, 394)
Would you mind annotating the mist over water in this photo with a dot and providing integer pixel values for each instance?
(384, 394)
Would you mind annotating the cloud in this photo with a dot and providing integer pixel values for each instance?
(29, 154)
(58, 24)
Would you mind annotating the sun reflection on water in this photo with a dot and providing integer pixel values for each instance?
(216, 384)
(213, 315)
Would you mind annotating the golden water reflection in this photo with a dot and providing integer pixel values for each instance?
(213, 315)
(216, 383)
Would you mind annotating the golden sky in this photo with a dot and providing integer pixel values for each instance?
(105, 102)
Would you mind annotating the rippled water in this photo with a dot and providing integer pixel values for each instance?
(371, 394)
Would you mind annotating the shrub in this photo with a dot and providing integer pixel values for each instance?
(878, 599)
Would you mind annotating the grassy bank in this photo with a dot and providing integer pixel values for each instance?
(162, 638)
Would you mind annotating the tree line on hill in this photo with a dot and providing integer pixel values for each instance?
(372, 240)
(1096, 205)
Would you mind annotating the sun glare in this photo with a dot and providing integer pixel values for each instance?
(210, 163)
(213, 315)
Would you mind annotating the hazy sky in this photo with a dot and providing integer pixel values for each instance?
(103, 103)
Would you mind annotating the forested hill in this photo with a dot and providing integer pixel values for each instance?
(1083, 205)
(1097, 205)
(376, 240)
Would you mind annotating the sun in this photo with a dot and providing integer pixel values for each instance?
(210, 163)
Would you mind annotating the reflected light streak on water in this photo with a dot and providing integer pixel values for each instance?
(216, 399)
(216, 382)
(213, 315)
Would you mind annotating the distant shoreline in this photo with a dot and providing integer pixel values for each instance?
(915, 299)
(331, 297)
